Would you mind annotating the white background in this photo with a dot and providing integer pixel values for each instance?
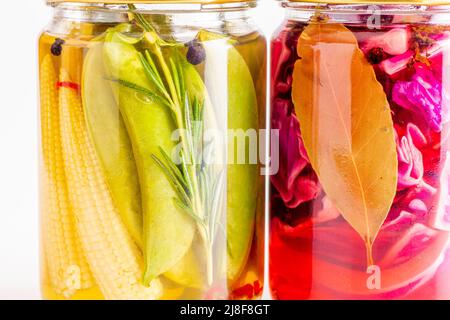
(20, 24)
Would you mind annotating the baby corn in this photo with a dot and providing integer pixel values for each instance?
(66, 266)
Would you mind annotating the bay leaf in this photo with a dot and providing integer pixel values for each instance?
(346, 126)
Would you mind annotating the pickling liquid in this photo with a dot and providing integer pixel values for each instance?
(328, 258)
(72, 267)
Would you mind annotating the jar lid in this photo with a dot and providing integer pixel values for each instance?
(379, 2)
(154, 1)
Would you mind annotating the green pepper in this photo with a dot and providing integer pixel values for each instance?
(242, 109)
(168, 231)
(111, 141)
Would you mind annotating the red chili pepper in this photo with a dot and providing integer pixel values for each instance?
(68, 85)
(244, 291)
(257, 288)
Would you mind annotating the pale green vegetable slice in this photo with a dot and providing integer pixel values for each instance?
(189, 271)
(111, 141)
(242, 108)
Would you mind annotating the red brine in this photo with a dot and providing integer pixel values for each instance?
(317, 250)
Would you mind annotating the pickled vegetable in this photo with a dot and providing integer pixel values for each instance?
(242, 115)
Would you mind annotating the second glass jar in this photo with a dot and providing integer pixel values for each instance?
(360, 98)
(139, 196)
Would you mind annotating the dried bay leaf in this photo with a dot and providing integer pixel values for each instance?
(346, 126)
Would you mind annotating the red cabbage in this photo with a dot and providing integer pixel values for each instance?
(295, 181)
(410, 162)
(422, 95)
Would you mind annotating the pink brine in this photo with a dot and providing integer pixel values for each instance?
(327, 259)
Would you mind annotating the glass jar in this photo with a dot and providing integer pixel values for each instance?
(360, 203)
(139, 199)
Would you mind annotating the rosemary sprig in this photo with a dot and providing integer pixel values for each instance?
(144, 91)
(140, 19)
(198, 185)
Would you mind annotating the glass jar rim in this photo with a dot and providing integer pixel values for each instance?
(376, 2)
(154, 1)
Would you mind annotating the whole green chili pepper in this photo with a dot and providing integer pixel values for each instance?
(168, 231)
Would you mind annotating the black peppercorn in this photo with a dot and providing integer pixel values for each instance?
(196, 52)
(376, 55)
(56, 48)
